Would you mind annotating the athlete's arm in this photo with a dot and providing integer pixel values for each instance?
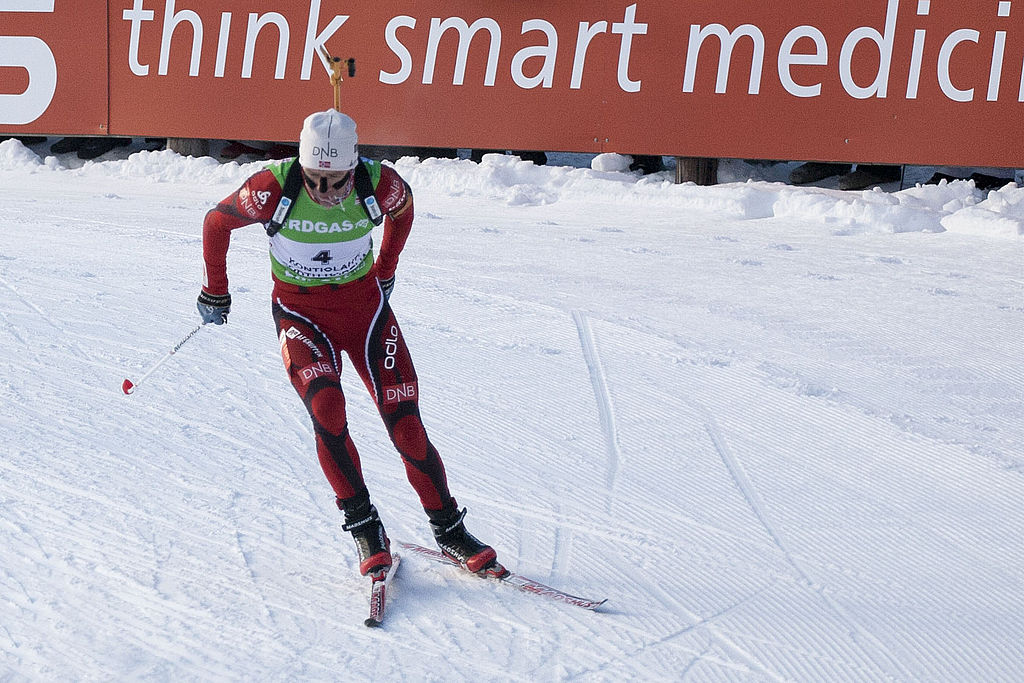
(395, 199)
(254, 202)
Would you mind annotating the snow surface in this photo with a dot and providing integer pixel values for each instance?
(780, 428)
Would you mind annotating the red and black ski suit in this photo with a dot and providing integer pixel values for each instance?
(315, 324)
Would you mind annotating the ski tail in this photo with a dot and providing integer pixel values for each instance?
(380, 580)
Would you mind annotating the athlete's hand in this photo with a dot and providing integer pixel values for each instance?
(214, 308)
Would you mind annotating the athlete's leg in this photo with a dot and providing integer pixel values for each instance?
(388, 373)
(314, 370)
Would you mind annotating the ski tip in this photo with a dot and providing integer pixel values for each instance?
(127, 387)
(372, 623)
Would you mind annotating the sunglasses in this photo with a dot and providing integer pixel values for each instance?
(322, 185)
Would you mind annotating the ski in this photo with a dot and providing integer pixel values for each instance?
(505, 576)
(379, 582)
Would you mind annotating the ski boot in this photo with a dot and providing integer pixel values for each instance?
(459, 545)
(372, 543)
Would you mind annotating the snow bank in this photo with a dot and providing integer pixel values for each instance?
(15, 156)
(860, 212)
(956, 207)
(1001, 214)
(162, 166)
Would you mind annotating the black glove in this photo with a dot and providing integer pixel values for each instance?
(214, 308)
(387, 286)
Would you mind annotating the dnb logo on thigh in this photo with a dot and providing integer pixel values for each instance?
(396, 393)
(320, 368)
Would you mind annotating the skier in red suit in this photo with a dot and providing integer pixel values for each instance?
(331, 295)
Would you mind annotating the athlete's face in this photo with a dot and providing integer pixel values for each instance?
(327, 188)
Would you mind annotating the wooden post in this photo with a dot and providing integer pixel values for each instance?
(700, 170)
(189, 147)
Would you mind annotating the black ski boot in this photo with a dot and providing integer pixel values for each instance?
(372, 542)
(460, 545)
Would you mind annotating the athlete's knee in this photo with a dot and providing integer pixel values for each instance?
(409, 437)
(327, 408)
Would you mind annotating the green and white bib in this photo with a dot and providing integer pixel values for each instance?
(322, 246)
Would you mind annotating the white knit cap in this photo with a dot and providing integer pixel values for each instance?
(328, 142)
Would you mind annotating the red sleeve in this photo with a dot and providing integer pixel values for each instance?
(395, 199)
(254, 202)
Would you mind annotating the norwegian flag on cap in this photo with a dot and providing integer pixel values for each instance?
(328, 141)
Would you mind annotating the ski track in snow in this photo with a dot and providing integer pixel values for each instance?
(45, 317)
(818, 433)
(890, 665)
(605, 409)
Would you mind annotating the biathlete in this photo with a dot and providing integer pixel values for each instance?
(330, 295)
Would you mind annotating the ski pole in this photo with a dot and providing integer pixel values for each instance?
(128, 386)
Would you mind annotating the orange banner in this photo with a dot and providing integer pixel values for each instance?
(53, 67)
(890, 81)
